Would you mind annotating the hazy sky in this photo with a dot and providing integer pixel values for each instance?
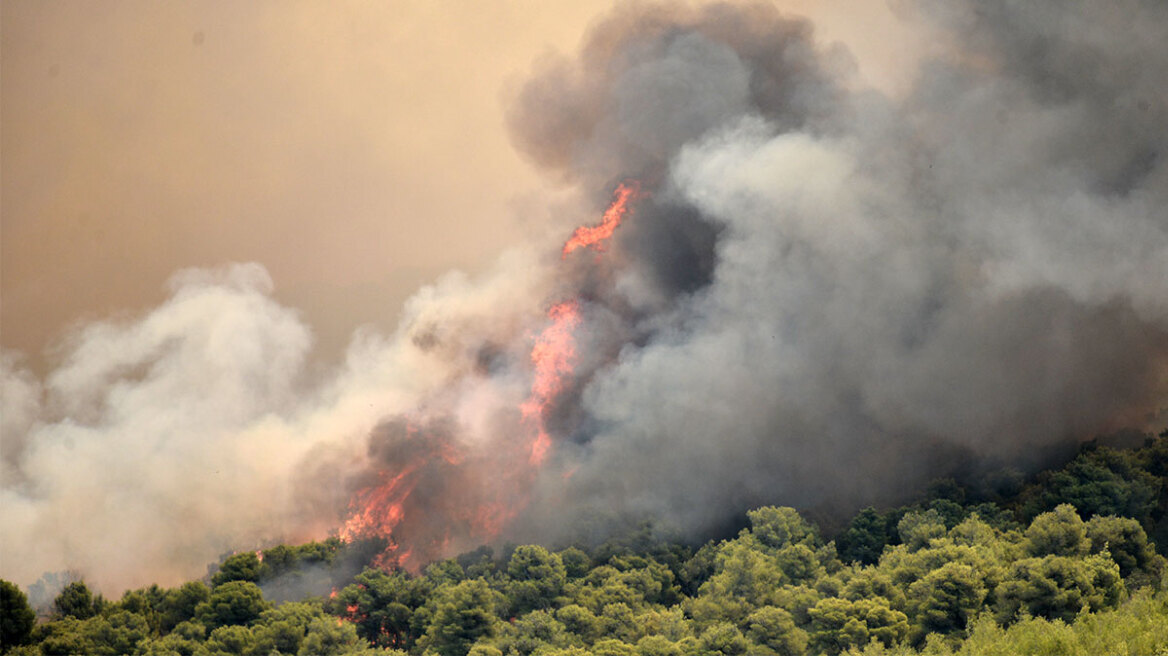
(356, 150)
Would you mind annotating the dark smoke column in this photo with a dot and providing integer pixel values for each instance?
(831, 296)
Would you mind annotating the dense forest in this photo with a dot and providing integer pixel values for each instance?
(1064, 562)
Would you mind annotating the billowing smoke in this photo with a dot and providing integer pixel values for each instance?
(865, 292)
(824, 296)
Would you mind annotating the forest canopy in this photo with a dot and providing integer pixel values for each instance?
(1065, 563)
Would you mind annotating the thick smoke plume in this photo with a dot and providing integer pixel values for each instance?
(823, 296)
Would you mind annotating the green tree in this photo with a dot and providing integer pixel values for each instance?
(537, 577)
(918, 528)
(1100, 481)
(327, 637)
(76, 601)
(1059, 587)
(185, 640)
(245, 566)
(232, 603)
(178, 604)
(118, 633)
(747, 579)
(383, 607)
(1058, 533)
(283, 628)
(946, 599)
(613, 647)
(16, 617)
(65, 637)
(722, 639)
(1125, 540)
(576, 562)
(774, 629)
(535, 631)
(776, 527)
(866, 536)
(230, 640)
(462, 614)
(579, 621)
(840, 624)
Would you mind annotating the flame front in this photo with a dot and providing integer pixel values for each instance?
(434, 493)
(595, 236)
(379, 509)
(554, 357)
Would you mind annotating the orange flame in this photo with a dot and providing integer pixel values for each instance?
(595, 236)
(554, 356)
(379, 508)
(475, 491)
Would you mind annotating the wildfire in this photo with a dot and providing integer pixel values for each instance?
(466, 494)
(553, 356)
(596, 236)
(380, 508)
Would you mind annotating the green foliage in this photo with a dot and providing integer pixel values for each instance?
(283, 558)
(576, 563)
(385, 608)
(773, 631)
(945, 599)
(119, 633)
(953, 574)
(1058, 533)
(775, 528)
(840, 624)
(16, 617)
(231, 640)
(865, 537)
(179, 605)
(144, 602)
(1059, 587)
(284, 627)
(1100, 481)
(722, 639)
(462, 614)
(77, 601)
(537, 577)
(244, 566)
(232, 603)
(327, 637)
(917, 529)
(1127, 543)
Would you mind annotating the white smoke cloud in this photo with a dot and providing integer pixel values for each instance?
(163, 441)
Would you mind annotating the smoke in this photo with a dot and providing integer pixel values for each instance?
(164, 441)
(825, 297)
(884, 290)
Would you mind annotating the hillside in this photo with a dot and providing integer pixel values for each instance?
(1061, 563)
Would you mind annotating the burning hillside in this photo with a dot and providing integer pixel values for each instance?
(814, 294)
(490, 480)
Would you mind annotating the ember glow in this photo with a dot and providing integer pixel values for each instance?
(595, 236)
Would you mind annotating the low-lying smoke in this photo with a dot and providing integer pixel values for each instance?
(824, 297)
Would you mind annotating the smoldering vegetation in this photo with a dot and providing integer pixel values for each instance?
(828, 296)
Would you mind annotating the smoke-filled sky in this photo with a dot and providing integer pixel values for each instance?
(356, 150)
(869, 246)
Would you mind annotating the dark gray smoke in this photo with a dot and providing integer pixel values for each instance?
(842, 294)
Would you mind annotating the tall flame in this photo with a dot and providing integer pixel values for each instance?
(467, 493)
(554, 357)
(379, 509)
(595, 236)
